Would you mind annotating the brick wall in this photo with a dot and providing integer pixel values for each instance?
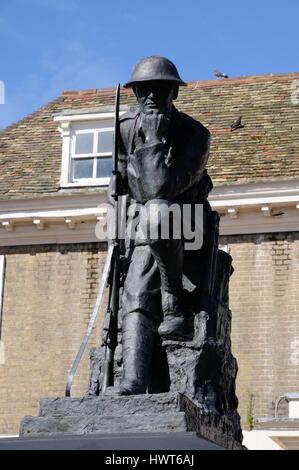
(264, 299)
(49, 295)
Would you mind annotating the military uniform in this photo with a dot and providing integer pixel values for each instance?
(185, 157)
(160, 171)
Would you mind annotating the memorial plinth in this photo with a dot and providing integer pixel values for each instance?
(199, 375)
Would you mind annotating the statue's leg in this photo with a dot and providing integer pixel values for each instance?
(169, 256)
(137, 346)
(141, 304)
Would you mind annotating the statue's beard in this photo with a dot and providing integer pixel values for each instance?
(154, 109)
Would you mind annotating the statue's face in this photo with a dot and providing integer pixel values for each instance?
(155, 96)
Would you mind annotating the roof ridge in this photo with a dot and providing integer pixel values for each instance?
(93, 91)
(32, 114)
(212, 81)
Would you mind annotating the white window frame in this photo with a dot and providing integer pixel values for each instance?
(68, 125)
(88, 128)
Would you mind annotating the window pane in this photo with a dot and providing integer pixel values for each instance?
(105, 141)
(82, 168)
(104, 167)
(84, 143)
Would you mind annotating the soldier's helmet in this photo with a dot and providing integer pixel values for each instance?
(154, 68)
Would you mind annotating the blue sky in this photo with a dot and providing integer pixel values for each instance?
(47, 46)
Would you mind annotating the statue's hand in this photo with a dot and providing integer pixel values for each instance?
(154, 128)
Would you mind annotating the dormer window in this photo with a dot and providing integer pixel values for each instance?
(87, 146)
(91, 152)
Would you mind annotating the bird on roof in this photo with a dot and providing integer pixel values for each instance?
(220, 74)
(237, 124)
(277, 214)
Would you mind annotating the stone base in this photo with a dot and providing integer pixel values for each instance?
(191, 384)
(164, 413)
(176, 442)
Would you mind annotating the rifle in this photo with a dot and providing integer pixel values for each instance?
(209, 301)
(110, 341)
(111, 273)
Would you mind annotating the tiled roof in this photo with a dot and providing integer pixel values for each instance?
(267, 147)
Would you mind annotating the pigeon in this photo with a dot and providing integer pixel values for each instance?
(277, 214)
(236, 124)
(219, 74)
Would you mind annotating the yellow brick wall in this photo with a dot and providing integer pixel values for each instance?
(264, 299)
(49, 294)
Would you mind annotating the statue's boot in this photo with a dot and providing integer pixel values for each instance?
(169, 258)
(137, 346)
(177, 323)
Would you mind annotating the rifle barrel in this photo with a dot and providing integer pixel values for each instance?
(108, 373)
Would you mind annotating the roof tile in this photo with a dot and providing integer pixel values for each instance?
(267, 147)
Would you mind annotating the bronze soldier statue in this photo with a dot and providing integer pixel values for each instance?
(162, 159)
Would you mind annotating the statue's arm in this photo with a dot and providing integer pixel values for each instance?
(187, 169)
(160, 180)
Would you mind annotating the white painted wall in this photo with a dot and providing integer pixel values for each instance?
(271, 440)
